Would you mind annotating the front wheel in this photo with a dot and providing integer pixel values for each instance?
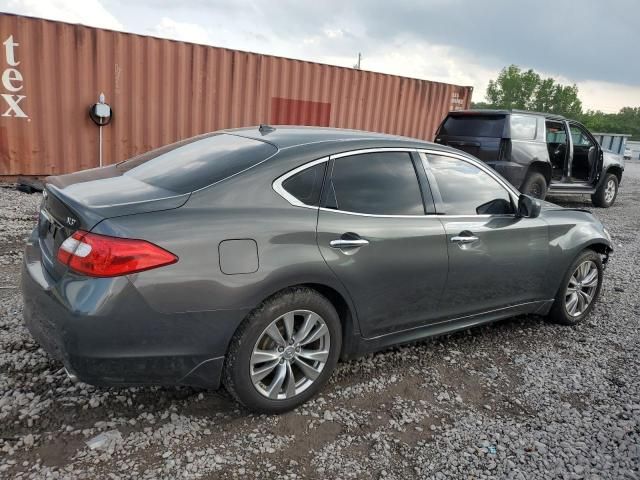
(284, 351)
(535, 185)
(579, 290)
(606, 193)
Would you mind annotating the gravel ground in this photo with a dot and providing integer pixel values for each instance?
(517, 399)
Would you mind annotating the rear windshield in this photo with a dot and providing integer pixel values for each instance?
(473, 126)
(195, 163)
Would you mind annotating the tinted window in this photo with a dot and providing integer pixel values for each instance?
(580, 138)
(195, 163)
(523, 127)
(467, 190)
(307, 184)
(474, 125)
(377, 183)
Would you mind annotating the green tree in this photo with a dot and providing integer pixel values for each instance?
(627, 120)
(527, 90)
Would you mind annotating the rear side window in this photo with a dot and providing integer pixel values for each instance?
(306, 185)
(523, 127)
(473, 126)
(383, 183)
(198, 162)
(467, 190)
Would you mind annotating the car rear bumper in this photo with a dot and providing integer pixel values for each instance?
(105, 333)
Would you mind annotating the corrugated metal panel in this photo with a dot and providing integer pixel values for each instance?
(613, 142)
(162, 91)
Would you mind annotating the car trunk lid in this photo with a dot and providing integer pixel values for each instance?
(79, 201)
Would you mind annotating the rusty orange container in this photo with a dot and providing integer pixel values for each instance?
(161, 91)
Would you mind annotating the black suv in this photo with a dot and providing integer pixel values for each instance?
(538, 153)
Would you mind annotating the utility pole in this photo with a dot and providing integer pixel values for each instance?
(357, 65)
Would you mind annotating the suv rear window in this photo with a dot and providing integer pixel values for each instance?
(195, 163)
(473, 126)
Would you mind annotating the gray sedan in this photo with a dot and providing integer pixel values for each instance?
(258, 257)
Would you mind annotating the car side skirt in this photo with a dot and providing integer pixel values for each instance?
(367, 345)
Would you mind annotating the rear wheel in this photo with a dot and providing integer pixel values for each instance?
(607, 192)
(535, 185)
(579, 289)
(284, 351)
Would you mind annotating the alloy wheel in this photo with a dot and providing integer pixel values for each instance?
(610, 191)
(290, 354)
(582, 288)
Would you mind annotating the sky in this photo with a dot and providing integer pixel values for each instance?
(592, 43)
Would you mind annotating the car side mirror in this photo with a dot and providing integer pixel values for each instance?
(528, 207)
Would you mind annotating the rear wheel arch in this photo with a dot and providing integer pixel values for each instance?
(341, 303)
(540, 167)
(536, 181)
(346, 313)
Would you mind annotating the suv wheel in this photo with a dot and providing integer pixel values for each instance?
(284, 351)
(607, 192)
(535, 185)
(579, 289)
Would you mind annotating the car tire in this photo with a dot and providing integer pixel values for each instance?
(254, 341)
(607, 192)
(563, 311)
(535, 185)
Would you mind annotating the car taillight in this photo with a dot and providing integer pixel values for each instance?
(504, 153)
(102, 256)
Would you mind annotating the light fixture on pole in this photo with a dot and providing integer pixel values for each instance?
(101, 114)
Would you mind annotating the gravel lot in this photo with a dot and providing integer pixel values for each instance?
(518, 399)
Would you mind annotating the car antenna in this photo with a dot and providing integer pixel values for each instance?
(266, 129)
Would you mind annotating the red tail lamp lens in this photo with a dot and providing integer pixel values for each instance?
(102, 256)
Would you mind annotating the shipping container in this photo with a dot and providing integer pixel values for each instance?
(613, 142)
(161, 91)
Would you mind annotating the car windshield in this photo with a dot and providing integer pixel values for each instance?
(195, 163)
(473, 126)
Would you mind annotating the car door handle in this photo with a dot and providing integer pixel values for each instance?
(465, 239)
(348, 243)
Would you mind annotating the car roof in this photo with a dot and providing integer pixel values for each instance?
(549, 116)
(286, 136)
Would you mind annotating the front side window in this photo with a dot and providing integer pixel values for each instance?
(580, 137)
(467, 190)
(381, 183)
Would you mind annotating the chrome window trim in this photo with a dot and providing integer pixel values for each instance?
(426, 215)
(279, 189)
(372, 150)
